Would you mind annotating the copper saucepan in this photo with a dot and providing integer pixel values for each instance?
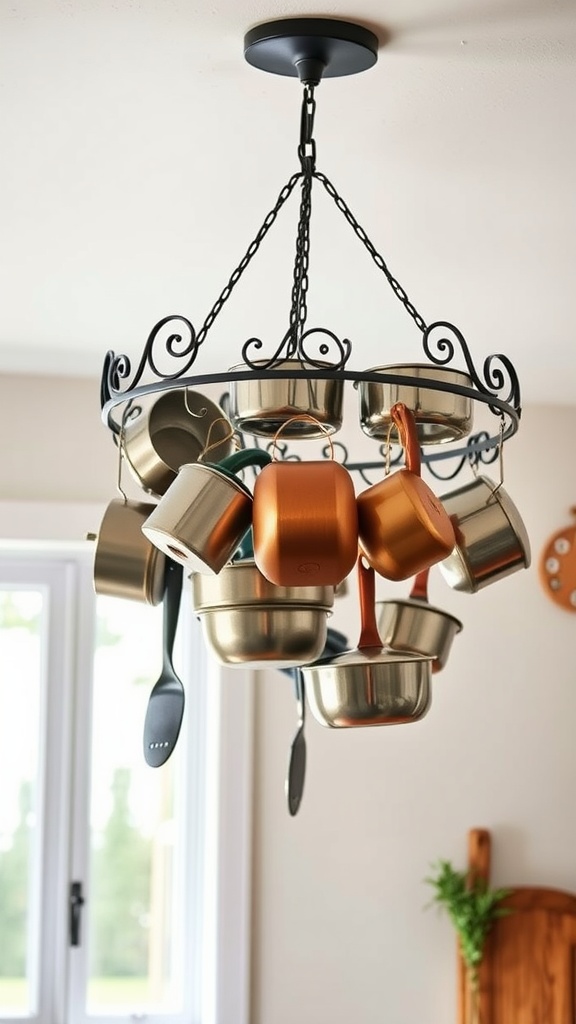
(403, 527)
(372, 685)
(305, 523)
(415, 625)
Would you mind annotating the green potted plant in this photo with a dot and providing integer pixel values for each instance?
(472, 907)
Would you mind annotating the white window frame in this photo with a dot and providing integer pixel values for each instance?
(221, 750)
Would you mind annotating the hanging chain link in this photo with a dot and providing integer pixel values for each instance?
(307, 155)
(378, 259)
(299, 309)
(284, 194)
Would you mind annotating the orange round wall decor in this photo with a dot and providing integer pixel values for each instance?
(558, 567)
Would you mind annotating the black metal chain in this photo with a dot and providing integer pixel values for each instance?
(284, 194)
(299, 310)
(378, 259)
(307, 155)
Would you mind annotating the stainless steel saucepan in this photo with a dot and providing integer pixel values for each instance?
(371, 685)
(263, 406)
(415, 625)
(126, 564)
(491, 539)
(171, 431)
(251, 623)
(440, 416)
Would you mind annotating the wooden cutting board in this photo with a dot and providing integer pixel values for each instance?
(528, 972)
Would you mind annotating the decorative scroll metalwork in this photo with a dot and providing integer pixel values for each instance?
(318, 349)
(500, 377)
(472, 456)
(118, 368)
(288, 351)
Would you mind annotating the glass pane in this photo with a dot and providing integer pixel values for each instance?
(134, 952)
(22, 615)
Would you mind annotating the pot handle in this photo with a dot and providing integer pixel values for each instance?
(403, 417)
(369, 635)
(245, 549)
(243, 458)
(419, 590)
(304, 417)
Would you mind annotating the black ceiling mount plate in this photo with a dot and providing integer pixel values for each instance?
(311, 48)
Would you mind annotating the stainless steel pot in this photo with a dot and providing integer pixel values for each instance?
(262, 407)
(126, 564)
(440, 415)
(491, 539)
(205, 512)
(371, 685)
(251, 623)
(170, 432)
(416, 626)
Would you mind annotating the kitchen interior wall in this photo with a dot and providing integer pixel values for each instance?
(341, 930)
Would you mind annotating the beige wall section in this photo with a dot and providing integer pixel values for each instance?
(54, 445)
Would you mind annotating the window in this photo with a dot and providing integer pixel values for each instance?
(160, 856)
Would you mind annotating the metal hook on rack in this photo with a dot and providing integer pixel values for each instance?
(500, 456)
(121, 456)
(388, 449)
(195, 415)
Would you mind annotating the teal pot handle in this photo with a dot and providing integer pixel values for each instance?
(243, 458)
(246, 548)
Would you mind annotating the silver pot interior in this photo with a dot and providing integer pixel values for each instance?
(172, 431)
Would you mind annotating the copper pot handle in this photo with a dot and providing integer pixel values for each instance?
(419, 590)
(403, 417)
(369, 635)
(306, 417)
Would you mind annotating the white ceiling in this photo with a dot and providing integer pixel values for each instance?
(140, 154)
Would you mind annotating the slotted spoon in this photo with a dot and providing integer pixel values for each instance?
(166, 702)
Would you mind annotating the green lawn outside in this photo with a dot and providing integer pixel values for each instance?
(103, 992)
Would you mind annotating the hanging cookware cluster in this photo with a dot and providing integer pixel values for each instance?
(266, 560)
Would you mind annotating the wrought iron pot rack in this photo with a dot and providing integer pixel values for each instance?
(310, 49)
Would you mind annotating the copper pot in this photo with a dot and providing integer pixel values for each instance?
(372, 685)
(416, 626)
(126, 564)
(403, 527)
(305, 523)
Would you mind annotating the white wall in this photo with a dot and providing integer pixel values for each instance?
(340, 932)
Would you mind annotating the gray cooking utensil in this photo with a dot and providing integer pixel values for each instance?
(297, 762)
(166, 702)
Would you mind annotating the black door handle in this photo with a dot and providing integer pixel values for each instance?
(76, 903)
